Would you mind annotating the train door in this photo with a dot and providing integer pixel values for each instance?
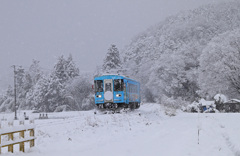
(108, 90)
(126, 92)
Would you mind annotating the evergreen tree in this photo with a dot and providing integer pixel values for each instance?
(112, 61)
(7, 100)
(50, 93)
(71, 69)
(56, 91)
(65, 70)
(39, 94)
(25, 81)
(35, 71)
(78, 91)
(59, 69)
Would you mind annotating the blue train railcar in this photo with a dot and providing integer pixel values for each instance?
(116, 91)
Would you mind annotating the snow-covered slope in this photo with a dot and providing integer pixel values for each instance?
(147, 131)
(166, 56)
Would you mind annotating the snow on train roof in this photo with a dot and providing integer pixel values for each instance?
(109, 75)
(113, 76)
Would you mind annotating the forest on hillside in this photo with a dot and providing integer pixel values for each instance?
(190, 55)
(193, 54)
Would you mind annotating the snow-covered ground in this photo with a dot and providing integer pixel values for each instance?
(144, 132)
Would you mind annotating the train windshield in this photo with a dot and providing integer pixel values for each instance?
(118, 85)
(98, 85)
(108, 87)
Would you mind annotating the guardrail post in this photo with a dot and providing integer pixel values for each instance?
(32, 134)
(10, 147)
(0, 143)
(11, 140)
(21, 145)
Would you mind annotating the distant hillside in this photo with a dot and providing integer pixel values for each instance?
(166, 56)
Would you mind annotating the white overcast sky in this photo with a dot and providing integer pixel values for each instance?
(45, 29)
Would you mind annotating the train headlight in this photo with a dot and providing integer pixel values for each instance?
(99, 96)
(118, 95)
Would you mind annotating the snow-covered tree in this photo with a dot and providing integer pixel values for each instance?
(50, 93)
(25, 81)
(72, 70)
(7, 100)
(219, 101)
(60, 90)
(35, 71)
(23, 84)
(79, 92)
(220, 66)
(65, 70)
(165, 58)
(112, 61)
(38, 94)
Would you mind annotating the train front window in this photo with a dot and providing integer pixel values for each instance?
(118, 85)
(98, 85)
(108, 87)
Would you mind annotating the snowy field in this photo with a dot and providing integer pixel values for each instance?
(144, 132)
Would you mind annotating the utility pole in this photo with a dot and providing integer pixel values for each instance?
(15, 93)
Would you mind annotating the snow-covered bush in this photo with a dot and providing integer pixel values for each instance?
(62, 108)
(219, 100)
(81, 92)
(172, 105)
(88, 103)
(170, 112)
(202, 106)
(193, 107)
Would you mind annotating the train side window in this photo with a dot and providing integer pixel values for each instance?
(118, 85)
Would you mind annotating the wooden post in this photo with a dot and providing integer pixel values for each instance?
(32, 134)
(0, 143)
(21, 140)
(10, 147)
(21, 144)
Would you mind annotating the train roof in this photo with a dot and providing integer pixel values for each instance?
(113, 76)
